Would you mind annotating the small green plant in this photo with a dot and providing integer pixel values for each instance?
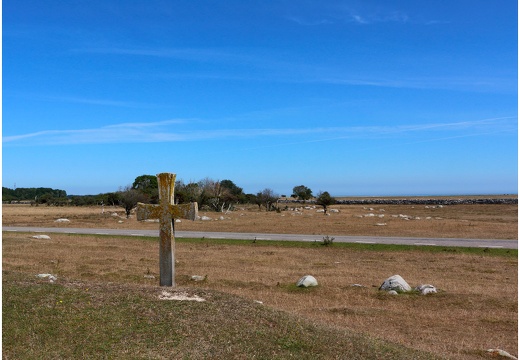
(327, 240)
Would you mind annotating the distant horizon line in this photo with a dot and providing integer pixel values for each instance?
(409, 195)
(338, 196)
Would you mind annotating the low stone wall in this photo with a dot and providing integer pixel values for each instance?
(427, 201)
(465, 201)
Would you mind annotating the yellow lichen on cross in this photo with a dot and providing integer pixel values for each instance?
(166, 211)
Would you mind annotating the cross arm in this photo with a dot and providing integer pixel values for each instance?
(181, 211)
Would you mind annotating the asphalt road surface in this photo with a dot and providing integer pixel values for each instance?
(482, 243)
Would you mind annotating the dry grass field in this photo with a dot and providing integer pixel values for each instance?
(455, 221)
(475, 309)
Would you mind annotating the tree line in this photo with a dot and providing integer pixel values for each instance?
(39, 195)
(216, 195)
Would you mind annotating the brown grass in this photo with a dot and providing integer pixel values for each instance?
(455, 221)
(476, 307)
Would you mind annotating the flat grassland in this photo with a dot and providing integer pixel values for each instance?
(475, 309)
(497, 221)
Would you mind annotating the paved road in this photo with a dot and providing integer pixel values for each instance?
(509, 244)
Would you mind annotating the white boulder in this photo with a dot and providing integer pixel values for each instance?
(62, 220)
(198, 277)
(306, 281)
(426, 289)
(50, 277)
(500, 352)
(46, 237)
(396, 283)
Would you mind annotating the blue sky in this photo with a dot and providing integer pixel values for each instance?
(368, 98)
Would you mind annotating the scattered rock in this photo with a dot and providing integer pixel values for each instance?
(198, 277)
(306, 281)
(205, 218)
(46, 237)
(51, 277)
(357, 285)
(62, 220)
(181, 296)
(500, 352)
(396, 283)
(392, 292)
(380, 224)
(177, 220)
(149, 277)
(426, 289)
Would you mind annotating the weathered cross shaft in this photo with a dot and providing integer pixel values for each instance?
(166, 212)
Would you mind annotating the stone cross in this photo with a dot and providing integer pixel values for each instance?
(166, 212)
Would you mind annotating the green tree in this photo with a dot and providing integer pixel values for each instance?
(147, 184)
(186, 193)
(302, 192)
(249, 199)
(112, 198)
(324, 199)
(236, 193)
(46, 195)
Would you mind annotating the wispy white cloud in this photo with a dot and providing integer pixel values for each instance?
(181, 130)
(359, 19)
(257, 65)
(345, 15)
